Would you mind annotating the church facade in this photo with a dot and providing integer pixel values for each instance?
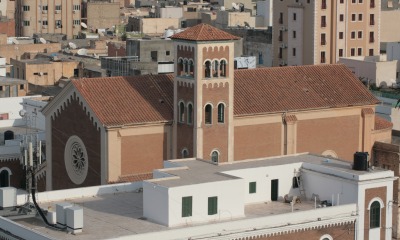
(103, 130)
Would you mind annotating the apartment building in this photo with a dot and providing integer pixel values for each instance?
(321, 31)
(48, 16)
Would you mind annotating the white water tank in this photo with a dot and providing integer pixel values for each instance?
(74, 219)
(8, 197)
(60, 212)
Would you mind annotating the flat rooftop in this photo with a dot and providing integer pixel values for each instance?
(121, 214)
(195, 171)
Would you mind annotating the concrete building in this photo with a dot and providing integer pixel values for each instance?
(11, 87)
(270, 198)
(208, 111)
(320, 32)
(234, 18)
(373, 70)
(228, 4)
(44, 71)
(7, 26)
(101, 14)
(152, 26)
(48, 16)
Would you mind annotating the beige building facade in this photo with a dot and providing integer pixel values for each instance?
(102, 14)
(48, 16)
(321, 31)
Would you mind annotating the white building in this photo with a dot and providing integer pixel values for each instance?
(373, 69)
(3, 67)
(194, 199)
(265, 9)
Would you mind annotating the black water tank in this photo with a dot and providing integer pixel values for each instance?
(360, 161)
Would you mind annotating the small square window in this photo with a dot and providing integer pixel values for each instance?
(21, 87)
(252, 187)
(167, 53)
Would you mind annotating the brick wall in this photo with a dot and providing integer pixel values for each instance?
(184, 130)
(17, 177)
(8, 27)
(369, 195)
(74, 121)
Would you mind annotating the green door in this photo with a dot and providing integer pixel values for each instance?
(274, 189)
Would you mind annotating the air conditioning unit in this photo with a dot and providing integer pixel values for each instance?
(57, 11)
(283, 45)
(283, 28)
(44, 11)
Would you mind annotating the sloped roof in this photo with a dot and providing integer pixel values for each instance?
(129, 100)
(204, 32)
(381, 123)
(143, 99)
(279, 89)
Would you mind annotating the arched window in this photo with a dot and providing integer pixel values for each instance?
(221, 113)
(180, 67)
(186, 66)
(181, 112)
(191, 68)
(190, 114)
(185, 153)
(215, 68)
(326, 237)
(375, 215)
(208, 114)
(222, 68)
(215, 156)
(5, 178)
(207, 69)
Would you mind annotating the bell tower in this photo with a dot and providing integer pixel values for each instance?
(203, 94)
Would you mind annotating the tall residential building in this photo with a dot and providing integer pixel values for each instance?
(321, 31)
(48, 16)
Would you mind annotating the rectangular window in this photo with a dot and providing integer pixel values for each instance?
(27, 23)
(353, 17)
(360, 34)
(45, 23)
(340, 52)
(77, 7)
(352, 52)
(21, 87)
(371, 37)
(187, 206)
(323, 21)
(341, 17)
(76, 22)
(372, 19)
(323, 5)
(45, 8)
(353, 1)
(294, 52)
(360, 17)
(58, 7)
(341, 1)
(372, 4)
(294, 34)
(167, 53)
(281, 18)
(58, 24)
(371, 52)
(212, 205)
(294, 16)
(153, 55)
(280, 38)
(340, 35)
(353, 35)
(359, 51)
(252, 187)
(323, 39)
(26, 8)
(323, 60)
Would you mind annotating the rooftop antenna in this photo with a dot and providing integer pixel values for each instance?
(42, 40)
(72, 45)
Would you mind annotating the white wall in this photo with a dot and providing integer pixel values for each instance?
(155, 202)
(3, 69)
(264, 9)
(171, 12)
(21, 231)
(3, 8)
(263, 176)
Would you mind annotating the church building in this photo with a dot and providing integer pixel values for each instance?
(116, 129)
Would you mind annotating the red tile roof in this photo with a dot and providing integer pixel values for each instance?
(279, 89)
(129, 100)
(381, 123)
(142, 99)
(204, 32)
(133, 178)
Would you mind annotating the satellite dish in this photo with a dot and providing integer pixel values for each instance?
(168, 33)
(222, 8)
(84, 25)
(42, 40)
(72, 45)
(82, 52)
(66, 50)
(15, 41)
(22, 112)
(235, 6)
(95, 55)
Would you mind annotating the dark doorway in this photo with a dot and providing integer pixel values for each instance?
(8, 135)
(4, 179)
(274, 189)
